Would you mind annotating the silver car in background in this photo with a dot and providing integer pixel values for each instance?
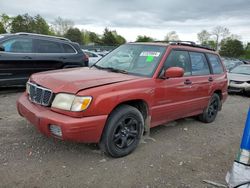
(239, 79)
(93, 57)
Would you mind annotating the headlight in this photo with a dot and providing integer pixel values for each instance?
(28, 87)
(71, 102)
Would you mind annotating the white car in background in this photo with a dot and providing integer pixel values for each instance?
(239, 79)
(93, 57)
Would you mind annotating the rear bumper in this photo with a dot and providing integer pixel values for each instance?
(85, 129)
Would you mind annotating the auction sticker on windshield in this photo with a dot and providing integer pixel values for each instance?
(152, 54)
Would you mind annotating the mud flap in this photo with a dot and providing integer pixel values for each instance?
(146, 131)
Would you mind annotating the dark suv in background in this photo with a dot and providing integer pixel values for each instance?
(23, 54)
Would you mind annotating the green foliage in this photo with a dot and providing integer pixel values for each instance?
(119, 39)
(26, 23)
(40, 25)
(144, 38)
(6, 21)
(111, 38)
(108, 38)
(209, 43)
(74, 34)
(94, 38)
(2, 30)
(22, 23)
(246, 54)
(231, 48)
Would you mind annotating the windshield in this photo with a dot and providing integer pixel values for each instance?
(241, 70)
(138, 59)
(229, 64)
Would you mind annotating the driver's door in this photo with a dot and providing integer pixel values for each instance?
(173, 96)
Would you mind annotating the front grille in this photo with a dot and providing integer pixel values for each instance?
(236, 82)
(39, 95)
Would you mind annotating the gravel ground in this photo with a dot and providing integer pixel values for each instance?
(181, 154)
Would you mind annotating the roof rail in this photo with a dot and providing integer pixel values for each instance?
(187, 43)
(49, 36)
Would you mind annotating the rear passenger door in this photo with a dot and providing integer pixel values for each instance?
(201, 81)
(219, 78)
(49, 55)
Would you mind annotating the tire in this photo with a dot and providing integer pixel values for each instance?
(247, 93)
(210, 113)
(122, 131)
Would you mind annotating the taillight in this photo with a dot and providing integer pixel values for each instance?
(86, 59)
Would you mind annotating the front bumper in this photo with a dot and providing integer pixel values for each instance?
(85, 129)
(244, 87)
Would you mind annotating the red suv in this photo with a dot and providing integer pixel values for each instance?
(114, 102)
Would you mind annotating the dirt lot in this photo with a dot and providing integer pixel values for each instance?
(183, 154)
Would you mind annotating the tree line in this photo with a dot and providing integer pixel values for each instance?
(219, 38)
(59, 27)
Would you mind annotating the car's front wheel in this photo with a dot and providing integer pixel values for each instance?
(122, 131)
(210, 113)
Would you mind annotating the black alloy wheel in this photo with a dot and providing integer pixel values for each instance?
(122, 132)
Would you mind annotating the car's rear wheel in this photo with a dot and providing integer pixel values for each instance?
(122, 132)
(210, 113)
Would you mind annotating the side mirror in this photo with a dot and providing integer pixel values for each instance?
(2, 49)
(174, 72)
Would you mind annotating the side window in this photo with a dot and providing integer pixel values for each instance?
(179, 59)
(68, 49)
(45, 46)
(199, 64)
(215, 63)
(18, 45)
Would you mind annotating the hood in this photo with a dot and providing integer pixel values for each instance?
(238, 77)
(74, 80)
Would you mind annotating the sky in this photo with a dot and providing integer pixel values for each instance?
(130, 18)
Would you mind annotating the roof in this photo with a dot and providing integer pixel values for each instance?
(41, 35)
(177, 43)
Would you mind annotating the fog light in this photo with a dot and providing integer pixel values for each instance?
(55, 130)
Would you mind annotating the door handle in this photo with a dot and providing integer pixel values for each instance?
(210, 79)
(187, 82)
(27, 57)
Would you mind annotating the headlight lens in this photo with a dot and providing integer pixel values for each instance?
(28, 87)
(71, 102)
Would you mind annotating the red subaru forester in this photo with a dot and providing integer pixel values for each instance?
(116, 100)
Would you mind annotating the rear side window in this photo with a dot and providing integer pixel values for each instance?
(18, 45)
(179, 59)
(199, 64)
(68, 49)
(45, 46)
(215, 63)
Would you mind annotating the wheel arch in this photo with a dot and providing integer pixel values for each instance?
(219, 92)
(139, 104)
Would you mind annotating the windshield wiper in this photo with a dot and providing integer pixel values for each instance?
(97, 66)
(111, 69)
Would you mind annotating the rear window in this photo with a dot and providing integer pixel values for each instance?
(215, 63)
(68, 49)
(199, 64)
